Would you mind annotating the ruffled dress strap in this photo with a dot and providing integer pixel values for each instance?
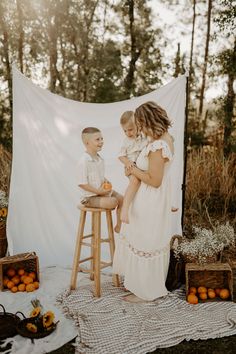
(160, 145)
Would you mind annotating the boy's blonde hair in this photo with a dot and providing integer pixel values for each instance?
(87, 132)
(127, 117)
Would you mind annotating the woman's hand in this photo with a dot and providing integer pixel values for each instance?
(129, 170)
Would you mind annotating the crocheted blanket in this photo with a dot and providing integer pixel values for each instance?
(111, 325)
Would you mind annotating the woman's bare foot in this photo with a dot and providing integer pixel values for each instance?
(133, 299)
(117, 227)
(124, 216)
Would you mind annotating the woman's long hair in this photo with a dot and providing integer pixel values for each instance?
(152, 119)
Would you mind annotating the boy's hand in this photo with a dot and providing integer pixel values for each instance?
(102, 191)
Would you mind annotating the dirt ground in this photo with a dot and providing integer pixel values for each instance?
(226, 345)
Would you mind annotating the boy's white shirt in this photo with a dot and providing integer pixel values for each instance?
(90, 171)
(132, 147)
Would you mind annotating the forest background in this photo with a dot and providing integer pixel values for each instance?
(106, 51)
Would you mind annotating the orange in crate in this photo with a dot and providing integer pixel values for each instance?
(19, 269)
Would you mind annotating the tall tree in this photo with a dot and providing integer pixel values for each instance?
(21, 34)
(204, 72)
(139, 47)
(191, 50)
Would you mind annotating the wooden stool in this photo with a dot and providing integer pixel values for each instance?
(95, 245)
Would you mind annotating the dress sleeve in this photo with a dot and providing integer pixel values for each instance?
(160, 145)
(82, 173)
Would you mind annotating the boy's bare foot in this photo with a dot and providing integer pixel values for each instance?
(117, 227)
(124, 216)
(133, 299)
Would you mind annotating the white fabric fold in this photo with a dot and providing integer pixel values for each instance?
(43, 214)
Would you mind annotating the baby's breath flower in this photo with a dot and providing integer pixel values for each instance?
(206, 244)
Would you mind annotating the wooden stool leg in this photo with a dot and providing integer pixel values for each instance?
(92, 248)
(97, 251)
(115, 277)
(80, 233)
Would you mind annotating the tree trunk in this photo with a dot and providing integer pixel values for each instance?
(191, 51)
(229, 106)
(134, 53)
(177, 62)
(21, 35)
(206, 57)
(5, 43)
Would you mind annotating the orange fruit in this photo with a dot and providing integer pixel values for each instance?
(217, 291)
(192, 299)
(211, 294)
(21, 271)
(30, 287)
(202, 289)
(107, 186)
(32, 275)
(14, 289)
(16, 279)
(5, 281)
(11, 272)
(203, 296)
(224, 294)
(192, 290)
(27, 280)
(10, 284)
(36, 284)
(21, 287)
(22, 278)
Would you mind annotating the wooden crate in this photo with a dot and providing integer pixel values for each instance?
(211, 275)
(232, 264)
(29, 261)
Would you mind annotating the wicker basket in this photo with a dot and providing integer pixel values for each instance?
(3, 240)
(214, 275)
(28, 261)
(175, 276)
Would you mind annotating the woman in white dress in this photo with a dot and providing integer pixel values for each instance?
(142, 250)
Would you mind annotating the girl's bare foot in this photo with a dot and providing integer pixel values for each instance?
(124, 216)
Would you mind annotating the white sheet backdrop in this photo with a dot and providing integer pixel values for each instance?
(46, 148)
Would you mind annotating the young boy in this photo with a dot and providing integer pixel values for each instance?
(92, 176)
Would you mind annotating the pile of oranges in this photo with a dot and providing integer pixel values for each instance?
(20, 280)
(204, 293)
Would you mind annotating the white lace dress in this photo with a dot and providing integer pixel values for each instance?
(142, 249)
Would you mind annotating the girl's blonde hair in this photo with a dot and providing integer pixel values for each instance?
(127, 117)
(153, 118)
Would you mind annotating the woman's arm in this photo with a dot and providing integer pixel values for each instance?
(152, 177)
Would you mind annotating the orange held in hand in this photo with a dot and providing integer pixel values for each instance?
(107, 185)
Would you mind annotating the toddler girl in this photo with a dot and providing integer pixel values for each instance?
(131, 148)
